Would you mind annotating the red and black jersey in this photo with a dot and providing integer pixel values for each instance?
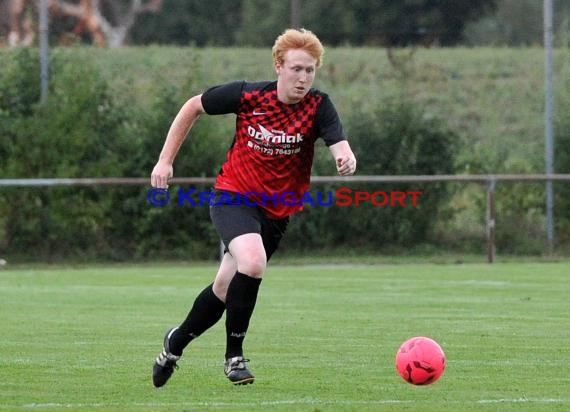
(273, 146)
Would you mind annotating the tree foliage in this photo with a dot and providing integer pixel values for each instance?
(106, 22)
(185, 22)
(519, 23)
(83, 130)
(386, 23)
(360, 22)
(255, 22)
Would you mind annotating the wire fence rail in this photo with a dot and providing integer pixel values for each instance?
(119, 181)
(489, 180)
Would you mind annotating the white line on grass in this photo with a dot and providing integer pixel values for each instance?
(524, 400)
(211, 404)
(306, 401)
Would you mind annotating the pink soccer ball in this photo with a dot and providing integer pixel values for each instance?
(420, 361)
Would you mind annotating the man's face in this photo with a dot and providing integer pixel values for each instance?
(295, 75)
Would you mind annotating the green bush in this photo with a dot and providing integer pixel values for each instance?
(562, 165)
(85, 129)
(108, 113)
(397, 139)
(75, 133)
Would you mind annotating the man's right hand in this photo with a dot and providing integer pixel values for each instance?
(161, 175)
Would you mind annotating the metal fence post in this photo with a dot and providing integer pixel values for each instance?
(548, 118)
(490, 221)
(44, 50)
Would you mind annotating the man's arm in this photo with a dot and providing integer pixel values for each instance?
(344, 158)
(179, 129)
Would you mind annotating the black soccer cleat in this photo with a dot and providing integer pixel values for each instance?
(237, 372)
(165, 363)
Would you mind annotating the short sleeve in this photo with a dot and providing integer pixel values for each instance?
(223, 99)
(329, 126)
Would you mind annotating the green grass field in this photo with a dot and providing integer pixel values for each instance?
(323, 338)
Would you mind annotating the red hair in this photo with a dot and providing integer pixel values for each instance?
(298, 39)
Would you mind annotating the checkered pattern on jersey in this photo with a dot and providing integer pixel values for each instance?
(273, 148)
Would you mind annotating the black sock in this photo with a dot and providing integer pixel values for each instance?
(240, 302)
(205, 312)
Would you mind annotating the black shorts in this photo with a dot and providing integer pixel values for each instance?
(233, 220)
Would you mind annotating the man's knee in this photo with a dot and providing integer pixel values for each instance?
(249, 254)
(253, 265)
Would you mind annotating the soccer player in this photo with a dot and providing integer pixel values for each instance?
(277, 124)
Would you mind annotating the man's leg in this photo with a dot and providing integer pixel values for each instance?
(251, 238)
(207, 310)
(241, 297)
